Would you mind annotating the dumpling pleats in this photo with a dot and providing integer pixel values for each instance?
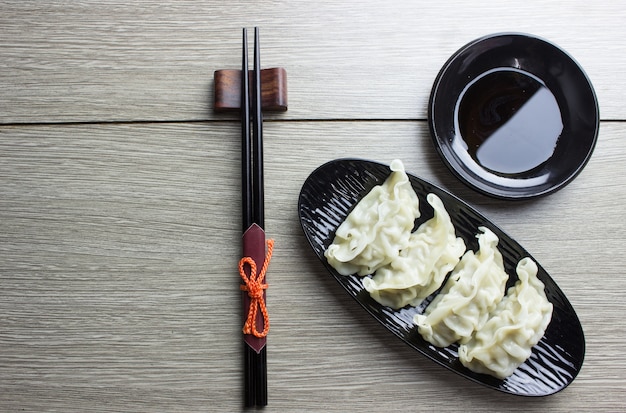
(473, 290)
(515, 326)
(433, 250)
(378, 227)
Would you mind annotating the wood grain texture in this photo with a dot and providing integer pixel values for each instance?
(145, 60)
(119, 202)
(119, 291)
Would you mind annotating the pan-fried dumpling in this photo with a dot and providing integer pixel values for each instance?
(420, 268)
(473, 290)
(515, 326)
(378, 227)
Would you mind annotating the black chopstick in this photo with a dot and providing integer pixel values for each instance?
(255, 363)
(246, 149)
(246, 198)
(257, 145)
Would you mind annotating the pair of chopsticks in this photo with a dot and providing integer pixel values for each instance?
(252, 143)
(255, 360)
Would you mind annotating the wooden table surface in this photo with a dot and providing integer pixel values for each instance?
(120, 202)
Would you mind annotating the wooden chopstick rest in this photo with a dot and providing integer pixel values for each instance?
(228, 89)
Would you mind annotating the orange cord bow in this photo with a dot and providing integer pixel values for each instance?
(255, 288)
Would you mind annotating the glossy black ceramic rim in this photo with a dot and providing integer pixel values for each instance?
(472, 52)
(330, 193)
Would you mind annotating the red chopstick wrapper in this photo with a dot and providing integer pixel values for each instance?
(254, 247)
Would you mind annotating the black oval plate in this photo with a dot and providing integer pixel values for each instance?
(327, 197)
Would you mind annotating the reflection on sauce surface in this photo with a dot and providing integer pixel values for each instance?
(509, 121)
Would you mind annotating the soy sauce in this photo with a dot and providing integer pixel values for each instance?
(509, 120)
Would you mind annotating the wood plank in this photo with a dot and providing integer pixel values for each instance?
(119, 244)
(127, 61)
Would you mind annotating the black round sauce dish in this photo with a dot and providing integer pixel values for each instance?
(513, 116)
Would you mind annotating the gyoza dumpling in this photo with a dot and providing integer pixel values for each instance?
(378, 227)
(473, 290)
(420, 268)
(515, 326)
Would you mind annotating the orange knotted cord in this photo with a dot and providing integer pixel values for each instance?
(255, 287)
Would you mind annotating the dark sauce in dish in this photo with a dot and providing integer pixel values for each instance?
(508, 120)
